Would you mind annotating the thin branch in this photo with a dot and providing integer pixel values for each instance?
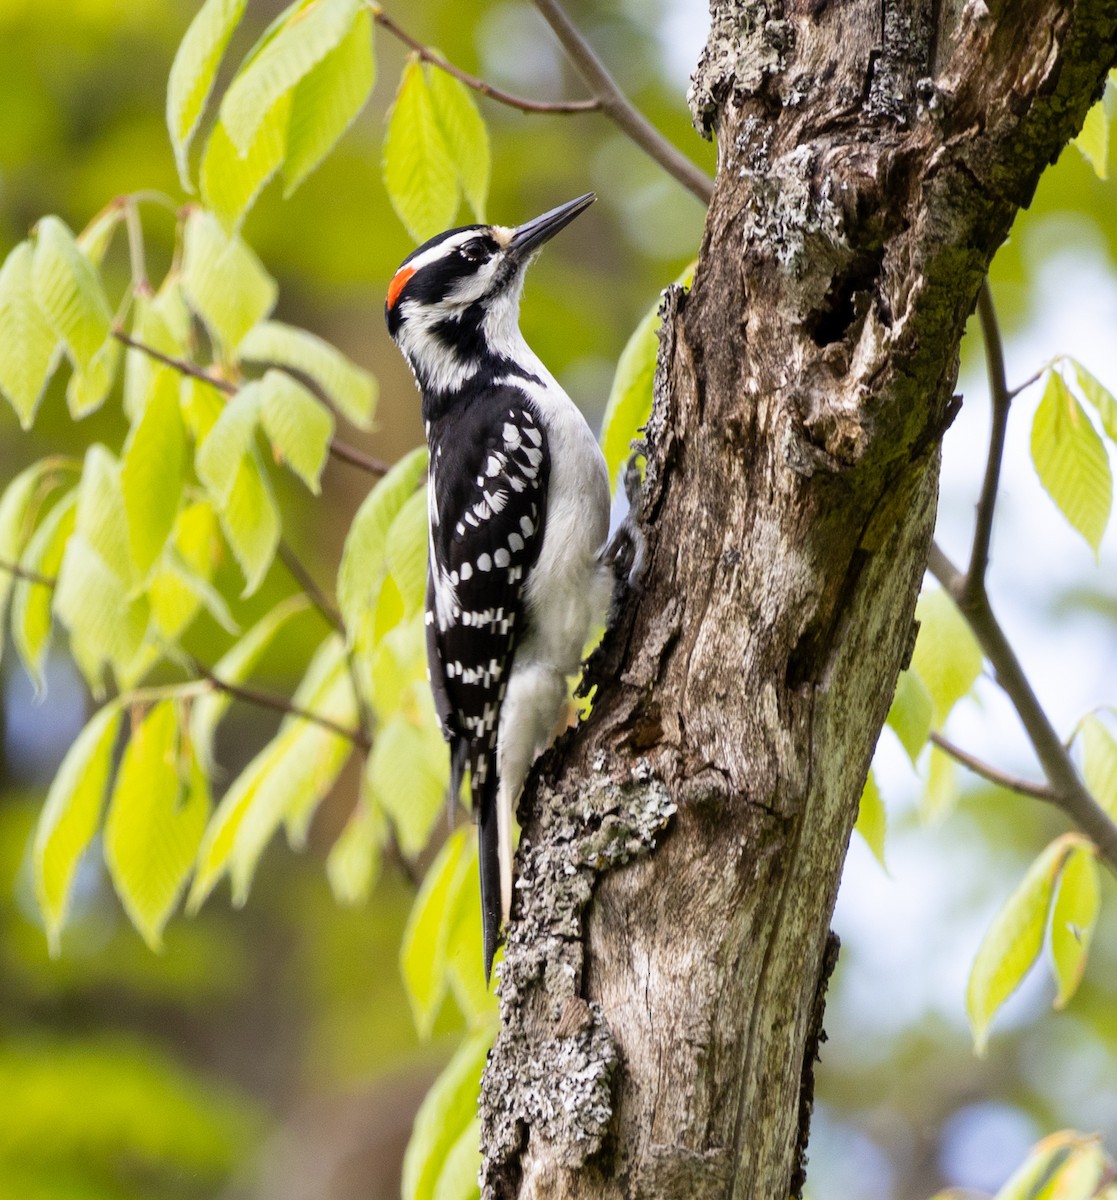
(1068, 791)
(358, 458)
(23, 573)
(973, 586)
(280, 704)
(479, 85)
(309, 584)
(615, 105)
(1013, 783)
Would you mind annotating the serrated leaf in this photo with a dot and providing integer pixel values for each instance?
(296, 767)
(176, 595)
(910, 715)
(250, 521)
(408, 774)
(161, 322)
(224, 282)
(28, 344)
(364, 556)
(95, 239)
(423, 949)
(157, 813)
(202, 406)
(1015, 938)
(327, 100)
(458, 1179)
(1074, 916)
(302, 42)
(406, 552)
(872, 820)
(299, 427)
(1100, 397)
(465, 136)
(228, 443)
(447, 1112)
(234, 667)
(350, 388)
(71, 816)
(630, 398)
(88, 387)
(419, 173)
(1099, 763)
(152, 472)
(1071, 461)
(231, 182)
(31, 602)
(193, 72)
(101, 517)
(464, 946)
(947, 657)
(354, 861)
(1093, 140)
(69, 292)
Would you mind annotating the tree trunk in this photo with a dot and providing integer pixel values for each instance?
(662, 988)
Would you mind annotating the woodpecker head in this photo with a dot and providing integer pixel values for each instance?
(453, 306)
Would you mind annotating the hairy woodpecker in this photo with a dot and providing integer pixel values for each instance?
(518, 514)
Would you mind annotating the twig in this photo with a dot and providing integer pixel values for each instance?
(30, 576)
(616, 106)
(479, 85)
(309, 584)
(280, 704)
(358, 458)
(1013, 783)
(1068, 791)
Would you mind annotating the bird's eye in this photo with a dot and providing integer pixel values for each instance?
(475, 250)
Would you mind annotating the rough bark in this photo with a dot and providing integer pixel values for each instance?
(681, 854)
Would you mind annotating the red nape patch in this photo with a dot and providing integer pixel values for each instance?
(399, 281)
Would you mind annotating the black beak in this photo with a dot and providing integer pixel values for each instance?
(531, 235)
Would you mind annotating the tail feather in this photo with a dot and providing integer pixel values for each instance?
(489, 857)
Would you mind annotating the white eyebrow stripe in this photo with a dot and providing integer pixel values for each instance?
(436, 252)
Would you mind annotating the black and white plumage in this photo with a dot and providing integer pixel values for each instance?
(518, 508)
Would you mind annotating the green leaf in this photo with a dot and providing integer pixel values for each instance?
(464, 949)
(350, 388)
(230, 182)
(250, 521)
(28, 345)
(408, 774)
(465, 136)
(89, 387)
(153, 470)
(445, 1116)
(303, 41)
(1015, 938)
(235, 667)
(1100, 397)
(163, 323)
(69, 292)
(158, 811)
(941, 792)
(1099, 763)
(1077, 1178)
(31, 602)
(630, 398)
(193, 72)
(353, 865)
(946, 658)
(228, 443)
(176, 595)
(1071, 461)
(364, 557)
(224, 282)
(419, 172)
(1093, 140)
(910, 714)
(299, 427)
(872, 820)
(1073, 919)
(202, 405)
(458, 1179)
(327, 99)
(1045, 1156)
(71, 815)
(406, 552)
(95, 239)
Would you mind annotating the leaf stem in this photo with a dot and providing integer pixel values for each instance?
(1013, 783)
(30, 576)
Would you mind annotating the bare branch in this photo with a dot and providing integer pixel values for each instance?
(30, 576)
(479, 85)
(1012, 783)
(280, 704)
(1068, 791)
(344, 452)
(615, 105)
